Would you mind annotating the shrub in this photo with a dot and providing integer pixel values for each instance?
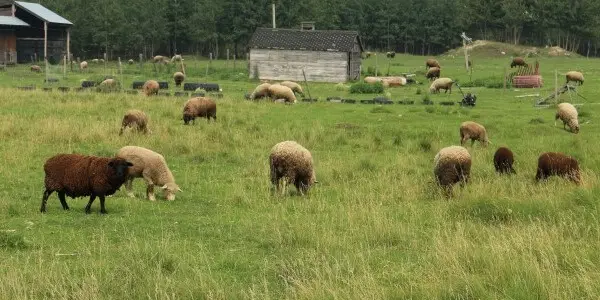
(362, 87)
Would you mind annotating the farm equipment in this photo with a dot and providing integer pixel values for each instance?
(566, 88)
(468, 99)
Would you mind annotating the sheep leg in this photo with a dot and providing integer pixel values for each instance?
(47, 194)
(102, 208)
(464, 139)
(129, 187)
(63, 201)
(150, 192)
(88, 207)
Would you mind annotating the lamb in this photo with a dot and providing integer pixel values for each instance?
(473, 131)
(177, 58)
(430, 63)
(296, 88)
(153, 168)
(150, 88)
(136, 119)
(391, 54)
(518, 61)
(199, 107)
(559, 164)
(83, 65)
(76, 175)
(567, 113)
(433, 73)
(178, 77)
(503, 161)
(452, 165)
(36, 68)
(574, 76)
(443, 83)
(292, 163)
(278, 91)
(260, 91)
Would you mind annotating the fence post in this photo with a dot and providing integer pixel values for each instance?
(227, 64)
(65, 67)
(234, 61)
(120, 69)
(141, 66)
(105, 61)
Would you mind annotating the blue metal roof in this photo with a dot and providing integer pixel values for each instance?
(12, 21)
(42, 13)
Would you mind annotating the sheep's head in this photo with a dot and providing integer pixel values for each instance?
(574, 125)
(187, 118)
(170, 189)
(120, 166)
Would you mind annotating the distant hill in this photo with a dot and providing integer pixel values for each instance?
(483, 48)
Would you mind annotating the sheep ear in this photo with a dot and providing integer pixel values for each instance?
(178, 189)
(316, 181)
(164, 187)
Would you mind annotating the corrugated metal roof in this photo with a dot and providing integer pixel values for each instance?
(43, 13)
(294, 39)
(12, 21)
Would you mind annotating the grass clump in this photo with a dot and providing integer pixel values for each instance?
(362, 87)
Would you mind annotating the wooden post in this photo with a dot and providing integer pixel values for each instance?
(120, 69)
(105, 61)
(555, 85)
(45, 41)
(65, 66)
(306, 83)
(376, 65)
(141, 66)
(504, 81)
(69, 45)
(209, 63)
(466, 55)
(234, 61)
(227, 64)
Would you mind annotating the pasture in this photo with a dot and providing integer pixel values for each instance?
(376, 226)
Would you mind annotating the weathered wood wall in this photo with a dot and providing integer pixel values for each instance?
(355, 61)
(320, 66)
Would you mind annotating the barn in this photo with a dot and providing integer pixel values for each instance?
(30, 30)
(325, 55)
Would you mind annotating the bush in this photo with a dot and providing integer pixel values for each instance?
(366, 88)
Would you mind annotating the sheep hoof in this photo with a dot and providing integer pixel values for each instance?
(103, 212)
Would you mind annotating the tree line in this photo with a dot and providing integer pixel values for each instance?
(425, 27)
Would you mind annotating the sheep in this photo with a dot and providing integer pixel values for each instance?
(150, 88)
(76, 175)
(518, 61)
(136, 119)
(101, 60)
(443, 83)
(430, 63)
(160, 59)
(108, 85)
(177, 58)
(296, 88)
(292, 163)
(367, 54)
(199, 107)
(452, 165)
(433, 73)
(178, 77)
(278, 91)
(474, 131)
(371, 79)
(503, 161)
(131, 61)
(152, 167)
(260, 91)
(567, 113)
(95, 60)
(574, 76)
(390, 54)
(36, 68)
(83, 65)
(559, 164)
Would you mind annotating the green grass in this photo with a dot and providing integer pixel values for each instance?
(375, 226)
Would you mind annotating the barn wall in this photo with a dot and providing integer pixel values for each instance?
(355, 62)
(8, 46)
(320, 66)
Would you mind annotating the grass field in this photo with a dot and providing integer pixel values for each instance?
(376, 225)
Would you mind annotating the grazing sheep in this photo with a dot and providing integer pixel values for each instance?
(135, 119)
(518, 61)
(296, 88)
(153, 168)
(553, 163)
(278, 91)
(108, 85)
(430, 63)
(178, 77)
(260, 91)
(83, 65)
(452, 165)
(443, 83)
(390, 54)
(371, 79)
(101, 60)
(176, 58)
(292, 163)
(503, 161)
(160, 59)
(131, 61)
(433, 73)
(574, 76)
(367, 54)
(95, 60)
(36, 68)
(567, 113)
(150, 88)
(199, 107)
(77, 175)
(473, 131)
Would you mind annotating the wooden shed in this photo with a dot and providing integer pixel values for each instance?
(325, 55)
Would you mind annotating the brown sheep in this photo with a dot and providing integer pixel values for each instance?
(452, 165)
(433, 73)
(430, 63)
(292, 163)
(136, 119)
(178, 77)
(553, 163)
(76, 175)
(443, 83)
(150, 88)
(518, 61)
(36, 68)
(503, 161)
(575, 76)
(200, 107)
(475, 132)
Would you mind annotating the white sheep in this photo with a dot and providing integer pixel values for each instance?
(152, 167)
(278, 91)
(292, 163)
(574, 76)
(443, 83)
(452, 165)
(473, 131)
(567, 113)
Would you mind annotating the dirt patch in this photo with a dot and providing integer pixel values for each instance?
(484, 48)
